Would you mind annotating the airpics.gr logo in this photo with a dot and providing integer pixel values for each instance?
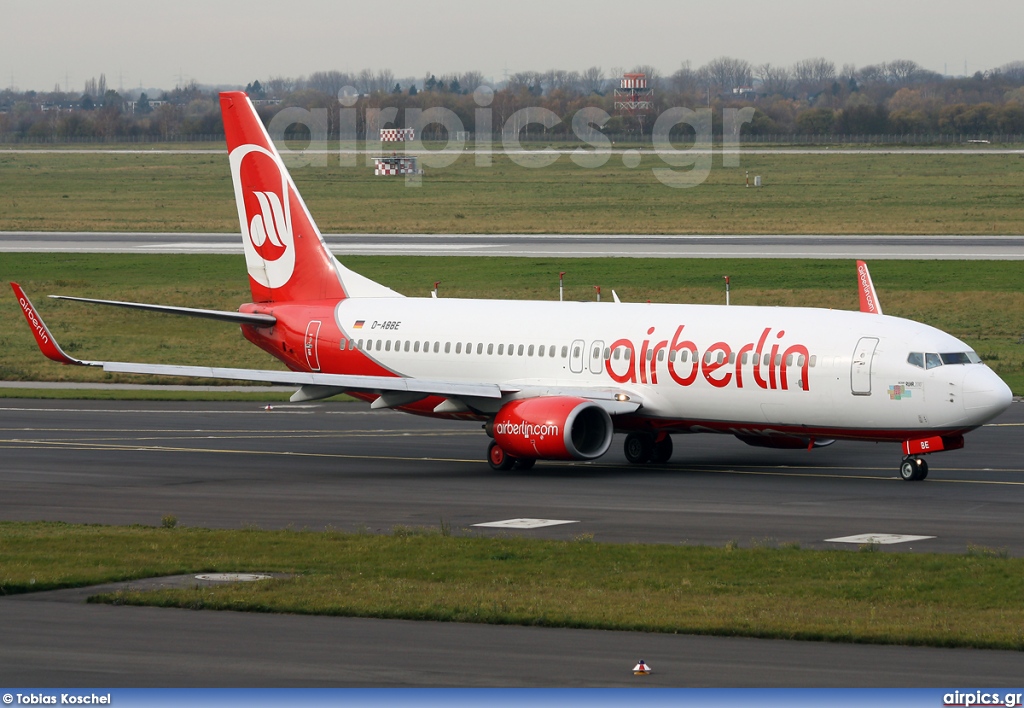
(263, 197)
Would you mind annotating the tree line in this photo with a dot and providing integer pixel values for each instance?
(810, 97)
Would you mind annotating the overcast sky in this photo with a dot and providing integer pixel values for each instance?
(137, 43)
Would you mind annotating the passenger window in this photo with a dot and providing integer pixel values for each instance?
(565, 351)
(672, 356)
(416, 346)
(447, 347)
(607, 353)
(626, 353)
(490, 349)
(551, 351)
(521, 349)
(501, 349)
(767, 359)
(650, 354)
(684, 356)
(387, 346)
(615, 353)
(343, 343)
(360, 345)
(512, 350)
(916, 359)
(814, 360)
(437, 346)
(469, 347)
(480, 348)
(789, 360)
(932, 361)
(458, 347)
(661, 355)
(732, 357)
(745, 358)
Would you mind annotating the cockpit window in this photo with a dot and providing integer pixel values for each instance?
(955, 358)
(931, 360)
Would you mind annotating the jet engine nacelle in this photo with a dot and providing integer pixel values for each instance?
(552, 428)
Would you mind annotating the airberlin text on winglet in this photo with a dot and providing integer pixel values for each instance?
(771, 373)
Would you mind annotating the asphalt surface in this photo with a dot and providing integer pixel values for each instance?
(235, 464)
(875, 247)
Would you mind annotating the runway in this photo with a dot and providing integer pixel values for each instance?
(870, 247)
(308, 466)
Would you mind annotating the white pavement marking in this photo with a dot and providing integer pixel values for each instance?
(525, 523)
(883, 539)
(233, 577)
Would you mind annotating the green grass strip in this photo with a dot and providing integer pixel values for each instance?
(969, 600)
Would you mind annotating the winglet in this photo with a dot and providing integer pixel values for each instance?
(47, 344)
(868, 296)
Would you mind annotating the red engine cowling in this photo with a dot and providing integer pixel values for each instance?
(553, 428)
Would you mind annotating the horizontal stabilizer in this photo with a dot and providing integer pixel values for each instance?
(223, 315)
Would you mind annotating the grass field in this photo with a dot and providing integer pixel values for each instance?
(969, 600)
(820, 194)
(980, 302)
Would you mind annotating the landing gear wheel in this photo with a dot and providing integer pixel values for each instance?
(498, 459)
(913, 469)
(639, 448)
(525, 463)
(662, 451)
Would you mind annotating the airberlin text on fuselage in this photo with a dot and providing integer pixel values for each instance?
(715, 364)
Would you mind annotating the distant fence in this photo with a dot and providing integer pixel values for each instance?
(548, 137)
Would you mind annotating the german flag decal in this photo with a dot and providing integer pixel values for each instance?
(358, 324)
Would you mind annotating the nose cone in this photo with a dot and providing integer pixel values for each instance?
(985, 394)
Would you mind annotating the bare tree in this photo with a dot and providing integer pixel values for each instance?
(814, 74)
(384, 80)
(329, 82)
(653, 75)
(1014, 71)
(726, 73)
(775, 80)
(685, 79)
(901, 72)
(278, 86)
(592, 81)
(872, 74)
(470, 81)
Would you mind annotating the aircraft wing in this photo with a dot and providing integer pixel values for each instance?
(394, 390)
(238, 317)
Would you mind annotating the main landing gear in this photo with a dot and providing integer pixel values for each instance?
(913, 469)
(501, 461)
(641, 448)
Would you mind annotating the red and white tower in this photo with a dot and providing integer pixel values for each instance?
(634, 97)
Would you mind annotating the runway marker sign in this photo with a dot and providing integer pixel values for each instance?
(525, 523)
(883, 539)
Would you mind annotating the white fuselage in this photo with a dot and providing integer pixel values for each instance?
(836, 372)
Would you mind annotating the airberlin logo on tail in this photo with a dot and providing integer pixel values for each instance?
(263, 197)
(266, 228)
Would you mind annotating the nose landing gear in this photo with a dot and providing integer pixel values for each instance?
(913, 469)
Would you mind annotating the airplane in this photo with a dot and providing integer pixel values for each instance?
(556, 380)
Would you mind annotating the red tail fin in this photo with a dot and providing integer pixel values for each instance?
(284, 251)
